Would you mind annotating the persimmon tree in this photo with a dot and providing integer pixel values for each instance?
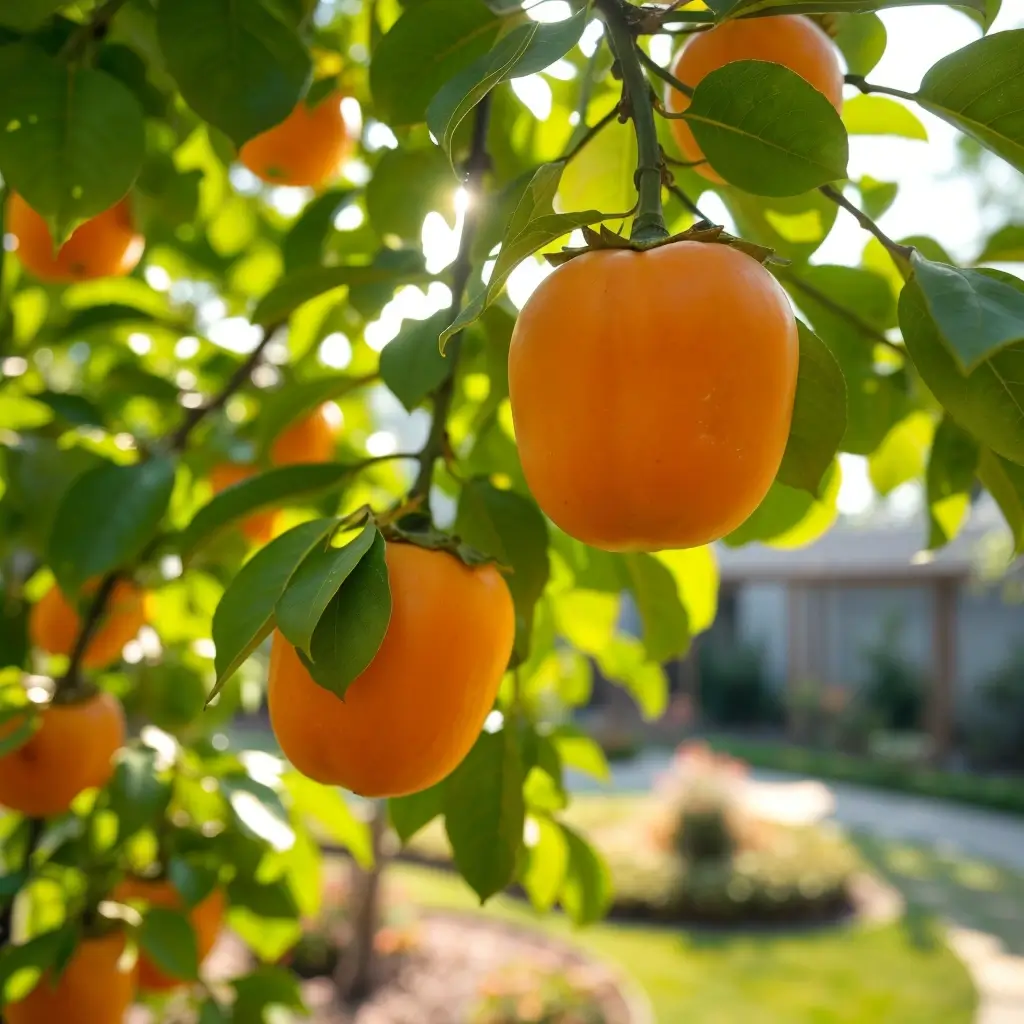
(239, 373)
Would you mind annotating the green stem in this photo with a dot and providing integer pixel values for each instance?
(649, 225)
(897, 251)
(666, 76)
(868, 88)
(589, 133)
(92, 30)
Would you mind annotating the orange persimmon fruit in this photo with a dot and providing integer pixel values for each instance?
(310, 438)
(260, 526)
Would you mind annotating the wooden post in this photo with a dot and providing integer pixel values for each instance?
(941, 694)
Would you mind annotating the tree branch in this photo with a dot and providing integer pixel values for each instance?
(590, 132)
(868, 88)
(95, 28)
(897, 251)
(687, 201)
(663, 73)
(477, 165)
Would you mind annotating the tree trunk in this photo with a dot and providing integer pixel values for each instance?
(355, 976)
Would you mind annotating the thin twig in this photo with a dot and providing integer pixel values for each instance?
(851, 316)
(477, 165)
(687, 201)
(665, 75)
(901, 252)
(869, 87)
(95, 28)
(593, 130)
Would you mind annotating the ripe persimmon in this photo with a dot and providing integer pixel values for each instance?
(72, 750)
(309, 439)
(106, 245)
(94, 989)
(54, 624)
(417, 709)
(652, 393)
(307, 148)
(206, 918)
(792, 40)
(260, 526)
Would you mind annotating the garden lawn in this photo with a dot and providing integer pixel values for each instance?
(849, 975)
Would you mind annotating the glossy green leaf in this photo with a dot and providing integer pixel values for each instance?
(976, 312)
(264, 899)
(980, 90)
(546, 865)
(879, 115)
(902, 455)
(1005, 482)
(876, 196)
(193, 881)
(861, 39)
(587, 892)
(314, 584)
(666, 625)
(352, 627)
(988, 401)
(428, 45)
(303, 245)
(406, 185)
(511, 529)
(237, 64)
(411, 813)
(485, 814)
(411, 364)
(245, 614)
(766, 131)
(169, 941)
(819, 416)
(72, 139)
(952, 467)
(107, 518)
(138, 794)
(696, 574)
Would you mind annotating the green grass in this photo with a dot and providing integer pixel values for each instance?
(852, 975)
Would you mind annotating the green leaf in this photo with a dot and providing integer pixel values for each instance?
(879, 115)
(485, 814)
(303, 245)
(624, 660)
(282, 486)
(428, 45)
(168, 939)
(766, 130)
(1005, 482)
(901, 457)
(789, 517)
(211, 1012)
(976, 313)
(666, 625)
(282, 408)
(352, 628)
(411, 813)
(194, 882)
(39, 955)
(314, 584)
(526, 50)
(27, 14)
(138, 795)
(988, 401)
(511, 529)
(546, 866)
(696, 574)
(237, 64)
(27, 720)
(271, 900)
(1005, 246)
(411, 364)
(265, 987)
(582, 752)
(980, 90)
(72, 138)
(819, 415)
(307, 283)
(587, 892)
(533, 225)
(327, 807)
(794, 226)
(876, 196)
(107, 517)
(952, 467)
(734, 8)
(245, 614)
(394, 206)
(861, 39)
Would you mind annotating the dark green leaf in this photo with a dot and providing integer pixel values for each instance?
(138, 795)
(211, 1012)
(989, 401)
(76, 410)
(952, 467)
(976, 314)
(666, 625)
(819, 416)
(271, 900)
(27, 14)
(303, 246)
(265, 987)
(766, 130)
(861, 39)
(107, 517)
(1006, 246)
(314, 584)
(194, 882)
(406, 185)
(1005, 482)
(411, 813)
(352, 628)
(307, 283)
(296, 399)
(980, 90)
(511, 529)
(429, 44)
(411, 364)
(485, 814)
(245, 615)
(282, 486)
(72, 140)
(168, 939)
(237, 64)
(41, 954)
(876, 196)
(587, 892)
